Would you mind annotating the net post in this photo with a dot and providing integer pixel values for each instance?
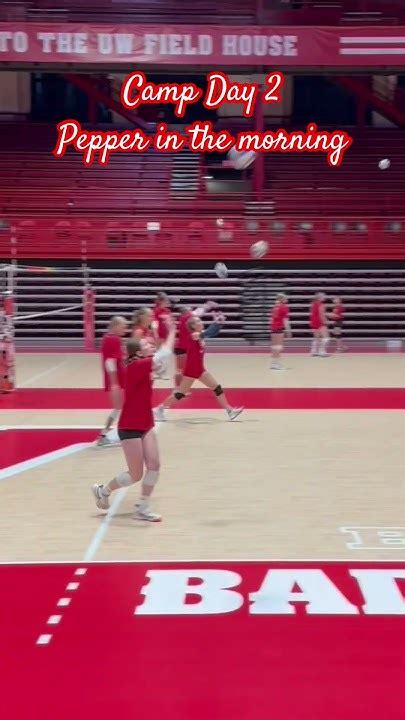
(89, 323)
(7, 344)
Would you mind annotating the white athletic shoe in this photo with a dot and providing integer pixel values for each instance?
(103, 441)
(143, 512)
(102, 501)
(159, 414)
(276, 366)
(234, 413)
(324, 354)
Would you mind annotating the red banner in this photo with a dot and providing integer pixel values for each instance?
(208, 45)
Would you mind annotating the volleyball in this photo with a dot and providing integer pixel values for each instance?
(241, 159)
(259, 249)
(221, 270)
(384, 164)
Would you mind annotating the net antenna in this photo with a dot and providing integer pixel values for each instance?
(7, 336)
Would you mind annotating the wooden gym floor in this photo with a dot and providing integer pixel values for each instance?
(283, 483)
(311, 473)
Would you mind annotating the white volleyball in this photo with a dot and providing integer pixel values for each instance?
(241, 159)
(384, 164)
(221, 270)
(259, 249)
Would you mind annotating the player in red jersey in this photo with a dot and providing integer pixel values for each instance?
(319, 326)
(161, 311)
(136, 428)
(337, 317)
(180, 349)
(279, 327)
(194, 368)
(113, 371)
(143, 327)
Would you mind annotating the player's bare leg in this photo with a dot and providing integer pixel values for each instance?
(276, 350)
(324, 340)
(339, 340)
(315, 347)
(116, 404)
(151, 476)
(209, 381)
(178, 394)
(133, 452)
(180, 365)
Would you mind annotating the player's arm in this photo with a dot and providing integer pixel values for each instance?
(154, 326)
(287, 324)
(110, 365)
(161, 357)
(215, 327)
(203, 309)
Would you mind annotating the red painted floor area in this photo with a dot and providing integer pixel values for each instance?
(20, 445)
(251, 398)
(106, 660)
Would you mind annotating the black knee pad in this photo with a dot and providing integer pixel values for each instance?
(218, 390)
(179, 395)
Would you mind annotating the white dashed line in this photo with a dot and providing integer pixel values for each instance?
(44, 639)
(54, 619)
(63, 602)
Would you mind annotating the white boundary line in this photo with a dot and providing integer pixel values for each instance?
(102, 529)
(42, 460)
(44, 373)
(204, 561)
(94, 427)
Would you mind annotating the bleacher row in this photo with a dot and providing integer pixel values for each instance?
(296, 184)
(208, 238)
(283, 12)
(374, 300)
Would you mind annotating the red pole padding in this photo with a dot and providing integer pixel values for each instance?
(7, 346)
(89, 324)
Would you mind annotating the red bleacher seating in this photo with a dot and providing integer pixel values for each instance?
(300, 188)
(283, 12)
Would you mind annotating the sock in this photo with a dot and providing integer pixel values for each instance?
(106, 492)
(324, 343)
(314, 346)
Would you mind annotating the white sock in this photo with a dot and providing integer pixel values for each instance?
(314, 347)
(106, 491)
(324, 343)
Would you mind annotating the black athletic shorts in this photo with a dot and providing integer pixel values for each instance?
(179, 351)
(131, 434)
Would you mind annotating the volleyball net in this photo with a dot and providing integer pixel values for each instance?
(10, 318)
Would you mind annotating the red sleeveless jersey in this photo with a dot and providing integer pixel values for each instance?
(160, 315)
(316, 315)
(183, 331)
(136, 413)
(194, 367)
(112, 349)
(278, 317)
